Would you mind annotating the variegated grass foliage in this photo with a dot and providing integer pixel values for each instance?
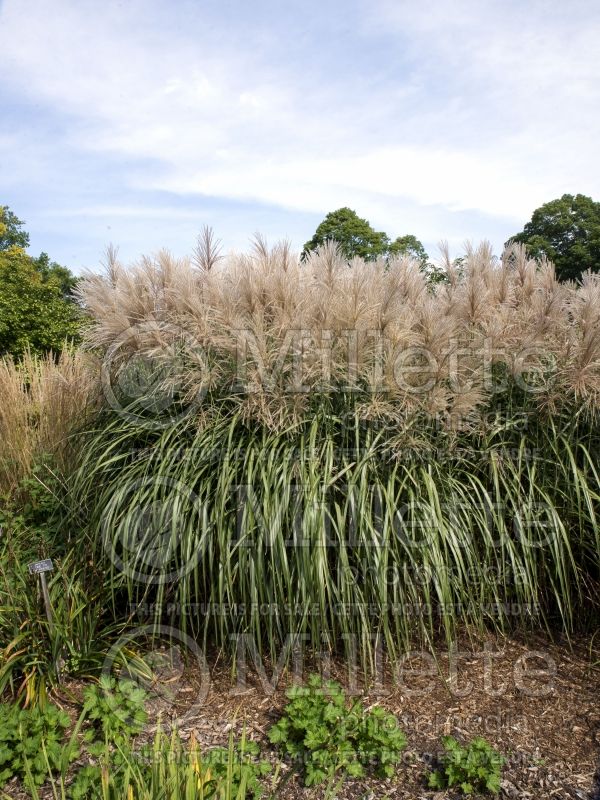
(356, 460)
(325, 533)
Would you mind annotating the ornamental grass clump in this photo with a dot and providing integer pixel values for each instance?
(43, 400)
(338, 453)
(266, 332)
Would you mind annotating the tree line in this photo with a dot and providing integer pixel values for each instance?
(565, 230)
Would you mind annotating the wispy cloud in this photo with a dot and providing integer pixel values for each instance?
(443, 119)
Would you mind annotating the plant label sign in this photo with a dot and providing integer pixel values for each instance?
(37, 567)
(41, 568)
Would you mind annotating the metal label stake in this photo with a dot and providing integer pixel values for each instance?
(40, 568)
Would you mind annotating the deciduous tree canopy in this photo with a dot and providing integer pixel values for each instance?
(567, 231)
(11, 233)
(409, 245)
(354, 235)
(36, 309)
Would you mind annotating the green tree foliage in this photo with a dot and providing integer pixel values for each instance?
(33, 312)
(36, 309)
(409, 245)
(354, 235)
(50, 270)
(11, 234)
(567, 231)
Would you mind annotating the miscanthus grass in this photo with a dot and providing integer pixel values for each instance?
(337, 456)
(324, 535)
(270, 331)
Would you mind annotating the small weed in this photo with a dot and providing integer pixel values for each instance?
(115, 708)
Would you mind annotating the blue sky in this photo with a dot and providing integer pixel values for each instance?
(137, 122)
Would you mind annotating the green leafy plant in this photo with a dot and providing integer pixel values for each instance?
(334, 739)
(115, 708)
(473, 767)
(34, 314)
(32, 743)
(33, 652)
(115, 714)
(32, 748)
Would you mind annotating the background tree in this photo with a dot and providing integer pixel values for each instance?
(36, 306)
(61, 275)
(567, 231)
(354, 235)
(11, 234)
(409, 245)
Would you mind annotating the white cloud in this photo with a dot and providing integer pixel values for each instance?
(455, 180)
(492, 107)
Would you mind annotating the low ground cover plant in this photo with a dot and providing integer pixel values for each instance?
(115, 708)
(474, 767)
(103, 759)
(334, 739)
(34, 746)
(32, 742)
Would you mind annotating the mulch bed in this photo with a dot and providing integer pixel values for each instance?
(541, 711)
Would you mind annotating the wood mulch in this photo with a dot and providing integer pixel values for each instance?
(536, 701)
